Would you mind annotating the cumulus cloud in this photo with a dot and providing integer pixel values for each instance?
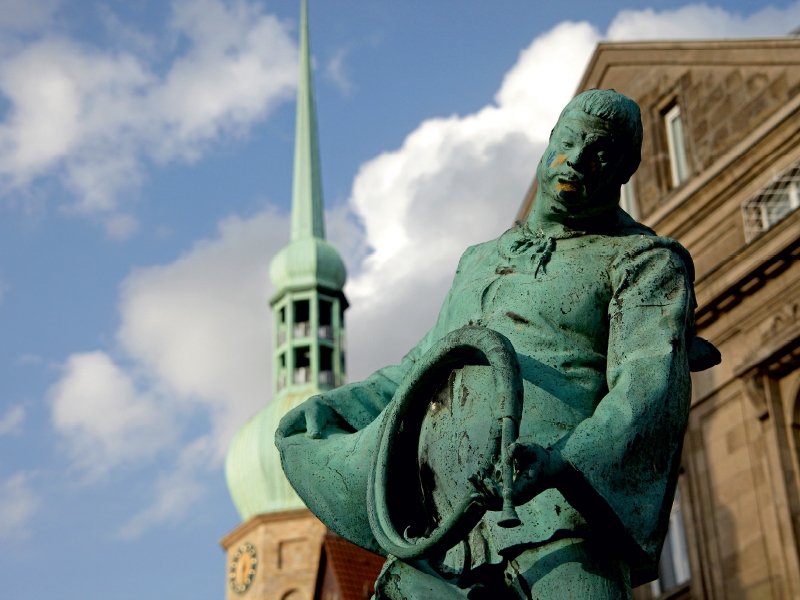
(336, 71)
(18, 503)
(196, 333)
(107, 421)
(173, 492)
(700, 21)
(202, 325)
(195, 336)
(12, 420)
(93, 116)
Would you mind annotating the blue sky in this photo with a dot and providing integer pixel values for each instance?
(145, 173)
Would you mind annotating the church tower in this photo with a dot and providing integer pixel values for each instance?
(274, 554)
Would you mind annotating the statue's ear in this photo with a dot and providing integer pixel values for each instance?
(703, 355)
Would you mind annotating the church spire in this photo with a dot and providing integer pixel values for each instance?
(307, 218)
(309, 332)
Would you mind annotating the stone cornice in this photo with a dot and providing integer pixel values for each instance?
(253, 522)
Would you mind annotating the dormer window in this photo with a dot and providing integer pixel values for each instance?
(678, 166)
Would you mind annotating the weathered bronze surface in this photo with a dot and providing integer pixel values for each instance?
(529, 445)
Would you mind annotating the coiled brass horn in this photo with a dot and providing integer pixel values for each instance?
(400, 432)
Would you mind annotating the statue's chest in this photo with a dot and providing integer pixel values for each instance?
(566, 291)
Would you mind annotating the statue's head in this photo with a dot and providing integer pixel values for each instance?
(594, 148)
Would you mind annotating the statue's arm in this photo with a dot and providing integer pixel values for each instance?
(619, 467)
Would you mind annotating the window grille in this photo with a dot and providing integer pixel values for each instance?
(325, 332)
(773, 203)
(326, 377)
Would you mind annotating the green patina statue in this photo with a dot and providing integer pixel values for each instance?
(529, 445)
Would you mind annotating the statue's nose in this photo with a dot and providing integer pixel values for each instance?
(575, 158)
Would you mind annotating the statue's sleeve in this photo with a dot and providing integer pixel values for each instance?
(626, 456)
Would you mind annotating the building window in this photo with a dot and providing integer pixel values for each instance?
(673, 568)
(627, 199)
(773, 203)
(678, 166)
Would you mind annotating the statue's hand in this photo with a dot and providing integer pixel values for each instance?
(536, 469)
(488, 488)
(311, 418)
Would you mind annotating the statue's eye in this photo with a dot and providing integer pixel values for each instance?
(567, 145)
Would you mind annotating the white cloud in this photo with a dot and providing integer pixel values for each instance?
(105, 420)
(11, 422)
(94, 116)
(25, 360)
(202, 324)
(121, 226)
(197, 331)
(18, 503)
(175, 491)
(336, 71)
(700, 21)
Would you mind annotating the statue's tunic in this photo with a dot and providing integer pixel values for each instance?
(600, 324)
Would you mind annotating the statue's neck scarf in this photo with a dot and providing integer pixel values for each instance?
(528, 238)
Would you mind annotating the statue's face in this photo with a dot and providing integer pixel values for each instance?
(581, 161)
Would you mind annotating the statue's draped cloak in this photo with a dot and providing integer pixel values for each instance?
(601, 323)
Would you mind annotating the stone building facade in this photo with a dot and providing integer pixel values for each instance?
(720, 172)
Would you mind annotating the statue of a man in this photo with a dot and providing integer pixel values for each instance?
(600, 312)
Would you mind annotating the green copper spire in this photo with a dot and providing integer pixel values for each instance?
(307, 190)
(308, 261)
(308, 335)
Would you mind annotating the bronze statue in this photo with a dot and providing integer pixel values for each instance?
(529, 445)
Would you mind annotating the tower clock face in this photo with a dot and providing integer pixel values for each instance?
(242, 569)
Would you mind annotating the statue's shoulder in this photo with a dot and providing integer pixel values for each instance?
(478, 254)
(638, 244)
